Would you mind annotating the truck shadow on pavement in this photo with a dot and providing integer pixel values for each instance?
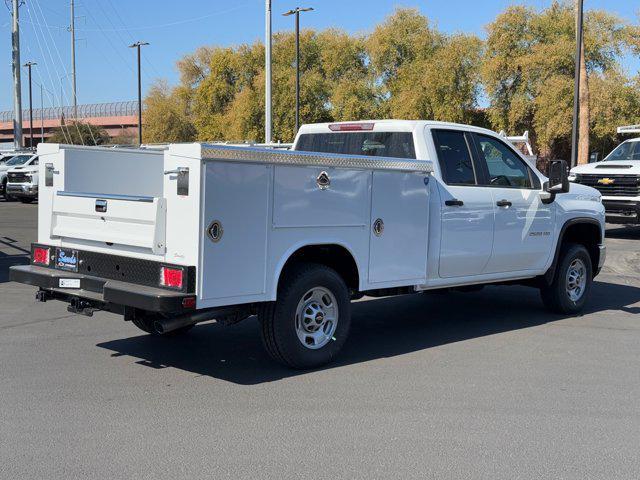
(380, 328)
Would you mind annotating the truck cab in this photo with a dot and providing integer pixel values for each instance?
(617, 178)
(22, 178)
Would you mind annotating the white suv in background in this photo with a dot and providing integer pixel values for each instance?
(22, 178)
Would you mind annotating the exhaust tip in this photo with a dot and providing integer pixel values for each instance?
(158, 327)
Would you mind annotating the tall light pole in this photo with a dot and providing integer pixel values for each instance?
(267, 68)
(29, 65)
(72, 29)
(296, 11)
(138, 45)
(576, 90)
(17, 85)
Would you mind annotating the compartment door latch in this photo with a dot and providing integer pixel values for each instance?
(182, 174)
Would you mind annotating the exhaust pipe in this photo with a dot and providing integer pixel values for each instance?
(166, 325)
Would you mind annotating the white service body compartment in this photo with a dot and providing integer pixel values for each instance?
(266, 205)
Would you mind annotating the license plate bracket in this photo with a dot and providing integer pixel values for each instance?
(66, 259)
(69, 283)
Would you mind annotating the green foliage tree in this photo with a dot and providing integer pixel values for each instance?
(166, 117)
(79, 133)
(528, 69)
(407, 68)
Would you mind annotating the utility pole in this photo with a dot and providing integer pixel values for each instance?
(296, 12)
(137, 45)
(41, 113)
(17, 85)
(576, 89)
(72, 29)
(267, 50)
(29, 65)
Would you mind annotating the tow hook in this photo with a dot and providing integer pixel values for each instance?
(81, 307)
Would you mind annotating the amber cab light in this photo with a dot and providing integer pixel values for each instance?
(41, 256)
(171, 277)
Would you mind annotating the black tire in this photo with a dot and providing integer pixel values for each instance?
(26, 200)
(146, 325)
(278, 319)
(556, 296)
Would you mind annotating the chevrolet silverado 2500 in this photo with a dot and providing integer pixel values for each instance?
(617, 178)
(203, 232)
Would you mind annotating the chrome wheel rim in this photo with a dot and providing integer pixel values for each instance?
(576, 280)
(316, 318)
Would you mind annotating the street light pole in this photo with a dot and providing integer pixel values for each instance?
(267, 72)
(137, 45)
(29, 65)
(296, 12)
(17, 86)
(576, 91)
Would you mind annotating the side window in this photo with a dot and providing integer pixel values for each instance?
(35, 162)
(454, 158)
(504, 167)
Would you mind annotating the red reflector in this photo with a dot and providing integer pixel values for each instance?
(351, 127)
(171, 277)
(41, 256)
(189, 302)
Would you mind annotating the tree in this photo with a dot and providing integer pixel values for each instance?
(79, 133)
(529, 66)
(166, 117)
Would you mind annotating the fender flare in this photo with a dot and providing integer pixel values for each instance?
(551, 272)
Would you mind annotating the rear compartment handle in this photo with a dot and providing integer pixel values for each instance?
(183, 179)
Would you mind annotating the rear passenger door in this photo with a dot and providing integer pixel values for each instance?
(523, 224)
(467, 212)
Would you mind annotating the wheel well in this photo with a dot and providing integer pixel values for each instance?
(333, 256)
(587, 233)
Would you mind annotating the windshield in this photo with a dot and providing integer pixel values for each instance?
(18, 160)
(626, 151)
(373, 144)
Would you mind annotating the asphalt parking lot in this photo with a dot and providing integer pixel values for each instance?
(478, 385)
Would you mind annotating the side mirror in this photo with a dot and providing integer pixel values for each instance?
(558, 177)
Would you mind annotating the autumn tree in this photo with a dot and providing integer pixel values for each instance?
(79, 133)
(529, 66)
(166, 115)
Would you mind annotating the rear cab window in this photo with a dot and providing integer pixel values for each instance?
(372, 144)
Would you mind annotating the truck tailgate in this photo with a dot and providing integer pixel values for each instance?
(114, 219)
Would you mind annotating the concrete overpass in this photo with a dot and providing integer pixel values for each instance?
(117, 118)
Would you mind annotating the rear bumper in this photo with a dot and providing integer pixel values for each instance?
(22, 190)
(622, 211)
(109, 295)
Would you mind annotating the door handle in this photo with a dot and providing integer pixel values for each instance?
(454, 203)
(504, 203)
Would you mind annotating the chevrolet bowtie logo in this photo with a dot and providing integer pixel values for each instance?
(606, 181)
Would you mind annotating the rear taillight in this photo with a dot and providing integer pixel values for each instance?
(351, 127)
(171, 277)
(41, 256)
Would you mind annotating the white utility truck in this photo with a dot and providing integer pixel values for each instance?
(207, 232)
(617, 177)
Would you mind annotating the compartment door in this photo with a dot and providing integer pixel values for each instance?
(236, 197)
(399, 220)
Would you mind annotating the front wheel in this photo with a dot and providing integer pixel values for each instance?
(26, 200)
(308, 325)
(572, 281)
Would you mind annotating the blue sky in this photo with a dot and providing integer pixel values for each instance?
(106, 67)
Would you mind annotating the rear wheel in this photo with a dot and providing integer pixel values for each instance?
(308, 325)
(569, 290)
